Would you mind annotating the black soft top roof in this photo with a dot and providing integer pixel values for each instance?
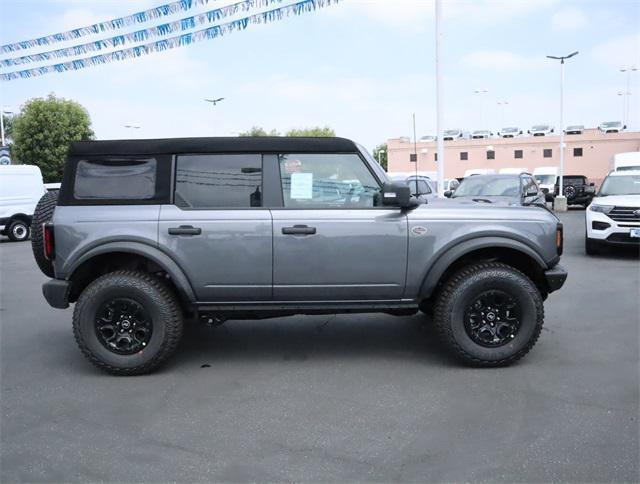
(260, 144)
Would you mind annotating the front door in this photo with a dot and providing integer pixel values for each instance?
(331, 242)
(217, 230)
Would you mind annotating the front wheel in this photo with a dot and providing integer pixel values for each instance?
(127, 322)
(18, 231)
(489, 314)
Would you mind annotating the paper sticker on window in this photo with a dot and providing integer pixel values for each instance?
(302, 186)
(292, 166)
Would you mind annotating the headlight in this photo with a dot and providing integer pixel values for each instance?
(600, 208)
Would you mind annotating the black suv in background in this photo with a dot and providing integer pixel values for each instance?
(577, 189)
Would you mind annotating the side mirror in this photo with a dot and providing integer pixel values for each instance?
(396, 195)
(624, 127)
(528, 131)
(448, 193)
(592, 184)
(520, 131)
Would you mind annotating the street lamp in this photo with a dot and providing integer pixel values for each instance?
(2, 113)
(562, 205)
(439, 97)
(484, 90)
(624, 105)
(627, 92)
(502, 105)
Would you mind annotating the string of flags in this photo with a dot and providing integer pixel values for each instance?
(160, 31)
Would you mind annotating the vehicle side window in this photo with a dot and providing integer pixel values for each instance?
(422, 187)
(114, 179)
(218, 181)
(327, 181)
(529, 184)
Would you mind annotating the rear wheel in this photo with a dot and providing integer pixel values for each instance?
(127, 322)
(42, 214)
(18, 230)
(489, 314)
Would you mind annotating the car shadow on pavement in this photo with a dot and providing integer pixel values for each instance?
(302, 338)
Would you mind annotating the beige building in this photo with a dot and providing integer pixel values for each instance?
(590, 153)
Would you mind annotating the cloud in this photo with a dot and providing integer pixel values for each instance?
(568, 19)
(619, 51)
(501, 60)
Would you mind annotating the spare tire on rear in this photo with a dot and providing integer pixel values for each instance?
(42, 214)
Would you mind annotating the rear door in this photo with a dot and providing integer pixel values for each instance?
(331, 240)
(217, 229)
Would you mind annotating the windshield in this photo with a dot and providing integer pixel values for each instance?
(541, 127)
(546, 179)
(509, 130)
(574, 180)
(620, 185)
(451, 132)
(489, 186)
(611, 124)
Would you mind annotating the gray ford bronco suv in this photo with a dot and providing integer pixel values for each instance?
(147, 233)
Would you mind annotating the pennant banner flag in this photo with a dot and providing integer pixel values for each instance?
(114, 24)
(180, 25)
(173, 42)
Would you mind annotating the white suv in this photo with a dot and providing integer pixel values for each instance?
(613, 218)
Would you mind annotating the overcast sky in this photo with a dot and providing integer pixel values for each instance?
(361, 67)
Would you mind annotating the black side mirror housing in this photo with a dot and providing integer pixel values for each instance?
(448, 193)
(396, 195)
(592, 184)
(624, 127)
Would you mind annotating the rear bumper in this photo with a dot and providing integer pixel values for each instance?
(56, 292)
(555, 277)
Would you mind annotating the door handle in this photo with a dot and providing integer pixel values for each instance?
(185, 230)
(299, 230)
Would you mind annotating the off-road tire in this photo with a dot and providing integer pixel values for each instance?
(157, 298)
(459, 291)
(16, 224)
(42, 214)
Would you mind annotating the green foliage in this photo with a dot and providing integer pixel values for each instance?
(8, 128)
(316, 132)
(43, 131)
(380, 154)
(258, 131)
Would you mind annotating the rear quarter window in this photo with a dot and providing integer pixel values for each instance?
(116, 179)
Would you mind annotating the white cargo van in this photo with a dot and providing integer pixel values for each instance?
(546, 177)
(512, 171)
(20, 189)
(626, 161)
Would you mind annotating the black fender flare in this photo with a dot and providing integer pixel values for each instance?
(452, 254)
(152, 253)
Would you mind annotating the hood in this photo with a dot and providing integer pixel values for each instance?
(483, 201)
(618, 200)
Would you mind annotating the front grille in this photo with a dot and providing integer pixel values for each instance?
(624, 214)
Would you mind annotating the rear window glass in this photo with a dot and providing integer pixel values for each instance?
(219, 181)
(116, 179)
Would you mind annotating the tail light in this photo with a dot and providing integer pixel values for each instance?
(559, 238)
(49, 242)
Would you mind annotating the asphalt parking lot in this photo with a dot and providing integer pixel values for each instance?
(344, 398)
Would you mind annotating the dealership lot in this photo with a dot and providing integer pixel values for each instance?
(361, 397)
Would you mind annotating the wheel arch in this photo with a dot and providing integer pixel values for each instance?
(114, 256)
(510, 251)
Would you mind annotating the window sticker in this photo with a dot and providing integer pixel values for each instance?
(292, 166)
(302, 186)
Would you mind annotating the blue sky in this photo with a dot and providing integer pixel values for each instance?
(361, 67)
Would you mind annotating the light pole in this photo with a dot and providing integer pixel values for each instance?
(439, 98)
(502, 105)
(562, 206)
(480, 92)
(624, 105)
(627, 92)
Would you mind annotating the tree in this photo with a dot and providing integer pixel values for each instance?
(316, 132)
(380, 154)
(8, 128)
(258, 131)
(43, 131)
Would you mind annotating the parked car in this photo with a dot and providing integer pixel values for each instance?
(611, 127)
(422, 187)
(519, 189)
(481, 134)
(452, 134)
(613, 218)
(546, 177)
(232, 228)
(20, 189)
(510, 132)
(577, 189)
(541, 130)
(575, 129)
